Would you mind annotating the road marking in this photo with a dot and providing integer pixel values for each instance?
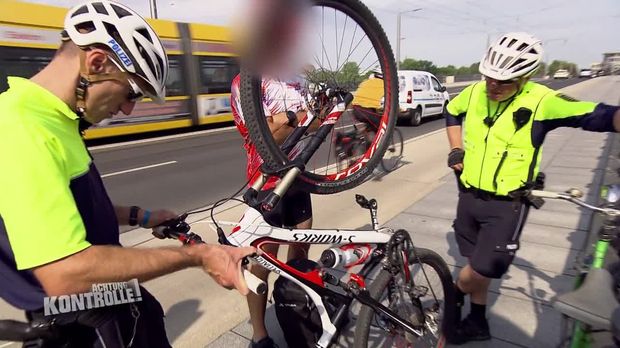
(159, 139)
(136, 169)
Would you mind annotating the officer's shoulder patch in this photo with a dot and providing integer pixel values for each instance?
(566, 97)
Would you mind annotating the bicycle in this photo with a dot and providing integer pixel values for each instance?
(401, 301)
(351, 144)
(593, 301)
(350, 46)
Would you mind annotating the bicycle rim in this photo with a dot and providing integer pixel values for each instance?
(376, 331)
(348, 46)
(394, 152)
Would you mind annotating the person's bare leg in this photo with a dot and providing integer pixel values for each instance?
(473, 283)
(258, 303)
(300, 251)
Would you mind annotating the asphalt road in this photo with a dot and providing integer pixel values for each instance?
(192, 170)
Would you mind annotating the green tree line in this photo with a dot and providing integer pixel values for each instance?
(451, 70)
(350, 76)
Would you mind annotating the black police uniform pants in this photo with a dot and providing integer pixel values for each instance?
(488, 231)
(109, 327)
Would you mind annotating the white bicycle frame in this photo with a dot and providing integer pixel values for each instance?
(252, 230)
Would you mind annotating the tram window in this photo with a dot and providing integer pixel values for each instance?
(175, 85)
(22, 62)
(216, 74)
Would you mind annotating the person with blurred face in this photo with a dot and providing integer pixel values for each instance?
(496, 128)
(59, 231)
(284, 108)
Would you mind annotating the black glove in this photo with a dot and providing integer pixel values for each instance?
(455, 156)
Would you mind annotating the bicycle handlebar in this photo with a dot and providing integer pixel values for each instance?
(573, 195)
(180, 230)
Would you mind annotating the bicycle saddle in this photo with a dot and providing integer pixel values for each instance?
(593, 302)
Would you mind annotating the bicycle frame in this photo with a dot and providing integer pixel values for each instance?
(252, 230)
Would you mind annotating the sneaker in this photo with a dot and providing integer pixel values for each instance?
(265, 342)
(470, 330)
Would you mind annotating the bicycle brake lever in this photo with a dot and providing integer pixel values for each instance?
(163, 230)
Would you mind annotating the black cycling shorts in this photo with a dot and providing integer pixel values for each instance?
(488, 230)
(294, 208)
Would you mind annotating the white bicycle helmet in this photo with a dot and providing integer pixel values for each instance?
(513, 55)
(127, 34)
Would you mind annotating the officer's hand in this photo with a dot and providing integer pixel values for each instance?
(455, 159)
(156, 217)
(223, 264)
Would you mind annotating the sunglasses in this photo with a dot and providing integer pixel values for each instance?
(135, 92)
(501, 82)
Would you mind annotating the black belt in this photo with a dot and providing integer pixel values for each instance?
(487, 196)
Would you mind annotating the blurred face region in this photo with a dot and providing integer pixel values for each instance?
(268, 35)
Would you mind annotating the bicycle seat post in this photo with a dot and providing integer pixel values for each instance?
(373, 207)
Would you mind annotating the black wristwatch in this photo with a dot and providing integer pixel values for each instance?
(133, 215)
(292, 118)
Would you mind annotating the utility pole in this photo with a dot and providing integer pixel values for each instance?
(398, 36)
(153, 7)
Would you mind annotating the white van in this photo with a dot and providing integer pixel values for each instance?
(420, 95)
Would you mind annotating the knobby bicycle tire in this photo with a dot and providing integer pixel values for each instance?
(381, 282)
(274, 159)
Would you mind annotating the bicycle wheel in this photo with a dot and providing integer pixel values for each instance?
(394, 152)
(374, 330)
(354, 55)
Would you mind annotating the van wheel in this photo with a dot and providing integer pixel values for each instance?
(415, 117)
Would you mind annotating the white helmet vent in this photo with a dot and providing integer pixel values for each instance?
(125, 33)
(513, 55)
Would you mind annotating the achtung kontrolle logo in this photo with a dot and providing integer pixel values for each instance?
(101, 295)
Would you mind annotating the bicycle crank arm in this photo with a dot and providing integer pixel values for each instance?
(364, 297)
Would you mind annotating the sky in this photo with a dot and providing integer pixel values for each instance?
(452, 32)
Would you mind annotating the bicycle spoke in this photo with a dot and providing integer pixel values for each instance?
(343, 47)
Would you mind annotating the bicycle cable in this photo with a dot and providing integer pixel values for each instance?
(224, 200)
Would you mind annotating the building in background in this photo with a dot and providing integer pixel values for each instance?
(611, 63)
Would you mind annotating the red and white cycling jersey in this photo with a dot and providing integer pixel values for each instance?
(278, 97)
